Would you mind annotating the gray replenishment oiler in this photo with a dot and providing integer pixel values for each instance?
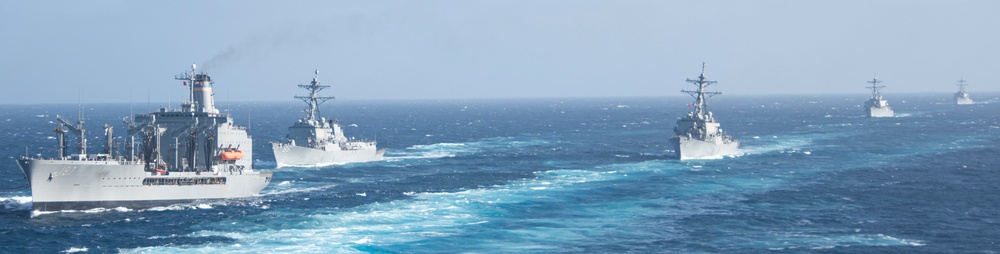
(877, 106)
(961, 97)
(317, 141)
(697, 135)
(194, 154)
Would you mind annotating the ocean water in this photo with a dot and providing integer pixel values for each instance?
(565, 175)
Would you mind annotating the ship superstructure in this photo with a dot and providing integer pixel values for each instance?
(187, 155)
(697, 135)
(961, 97)
(877, 106)
(317, 141)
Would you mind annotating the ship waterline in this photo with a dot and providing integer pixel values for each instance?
(87, 184)
(287, 155)
(688, 148)
(880, 112)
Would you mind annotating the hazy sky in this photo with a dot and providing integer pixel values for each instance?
(112, 51)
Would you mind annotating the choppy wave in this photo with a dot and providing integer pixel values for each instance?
(431, 151)
(287, 187)
(443, 214)
(176, 207)
(782, 144)
(427, 215)
(813, 242)
(76, 249)
(93, 210)
(445, 150)
(434, 215)
(179, 207)
(16, 203)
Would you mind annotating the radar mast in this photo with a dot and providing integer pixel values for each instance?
(961, 85)
(875, 87)
(700, 95)
(313, 100)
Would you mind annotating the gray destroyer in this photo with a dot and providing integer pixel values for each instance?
(961, 97)
(697, 135)
(877, 106)
(192, 154)
(317, 141)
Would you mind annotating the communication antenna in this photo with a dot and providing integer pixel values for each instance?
(961, 84)
(130, 103)
(194, 71)
(313, 100)
(80, 105)
(700, 95)
(875, 81)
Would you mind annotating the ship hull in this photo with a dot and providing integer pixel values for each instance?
(963, 101)
(692, 149)
(879, 112)
(286, 155)
(86, 184)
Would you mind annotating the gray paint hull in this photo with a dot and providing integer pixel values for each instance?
(879, 112)
(691, 149)
(86, 184)
(290, 155)
(963, 101)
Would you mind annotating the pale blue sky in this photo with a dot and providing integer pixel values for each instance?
(258, 50)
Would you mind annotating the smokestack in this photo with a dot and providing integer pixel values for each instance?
(201, 91)
(202, 94)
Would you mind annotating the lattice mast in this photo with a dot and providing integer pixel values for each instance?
(961, 85)
(700, 95)
(875, 87)
(313, 100)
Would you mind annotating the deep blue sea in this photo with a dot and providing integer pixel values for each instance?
(565, 175)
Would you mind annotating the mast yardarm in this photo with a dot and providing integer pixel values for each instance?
(700, 95)
(314, 100)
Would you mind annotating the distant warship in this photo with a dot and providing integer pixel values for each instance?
(315, 141)
(182, 156)
(877, 106)
(961, 97)
(698, 135)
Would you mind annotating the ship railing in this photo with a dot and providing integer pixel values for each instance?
(119, 160)
(362, 140)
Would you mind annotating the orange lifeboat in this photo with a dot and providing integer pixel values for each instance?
(231, 155)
